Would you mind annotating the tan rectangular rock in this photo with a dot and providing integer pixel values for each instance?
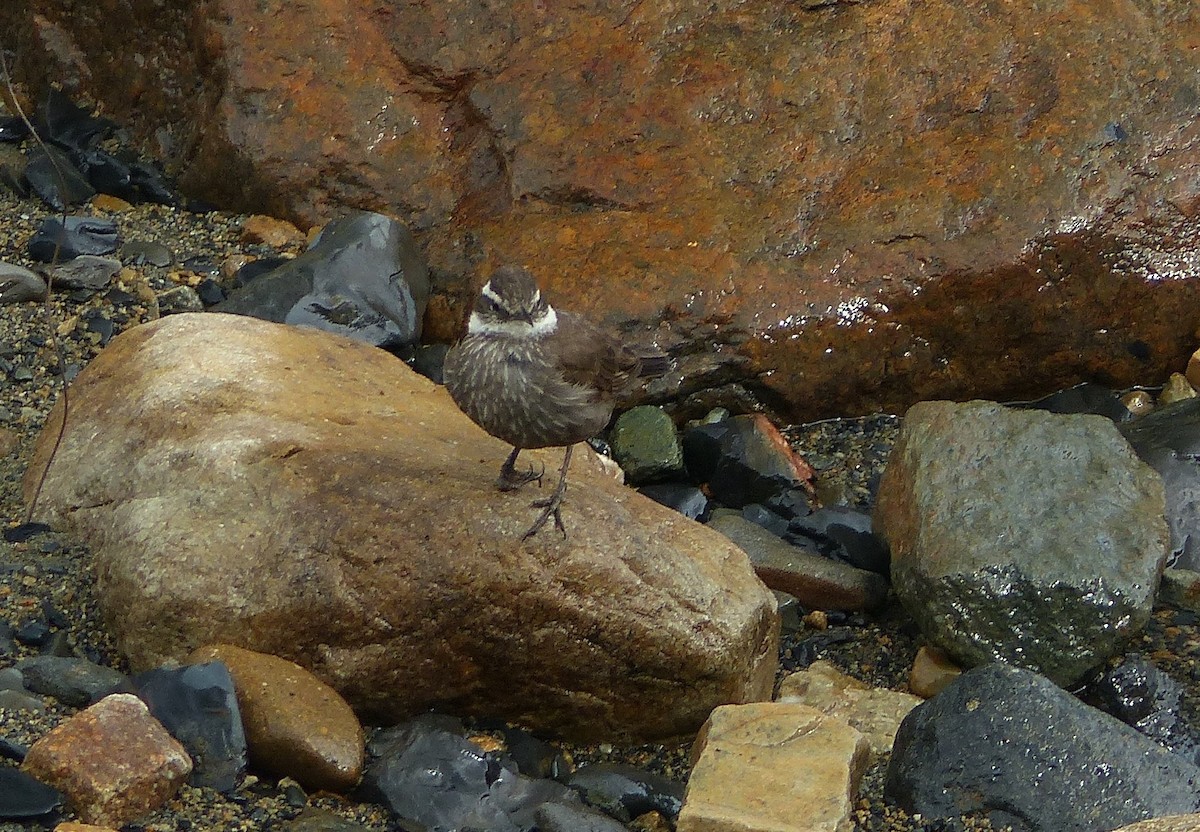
(774, 767)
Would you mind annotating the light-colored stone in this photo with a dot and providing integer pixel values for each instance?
(274, 232)
(932, 670)
(876, 713)
(113, 761)
(303, 495)
(296, 725)
(773, 767)
(1176, 389)
(70, 826)
(1167, 823)
(1192, 373)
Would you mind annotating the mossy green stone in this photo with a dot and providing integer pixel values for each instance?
(646, 445)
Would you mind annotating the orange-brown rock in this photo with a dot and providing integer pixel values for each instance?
(296, 725)
(113, 761)
(829, 207)
(295, 493)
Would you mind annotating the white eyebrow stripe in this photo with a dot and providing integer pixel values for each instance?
(537, 296)
(490, 293)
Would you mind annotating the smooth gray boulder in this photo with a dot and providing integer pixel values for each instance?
(1021, 536)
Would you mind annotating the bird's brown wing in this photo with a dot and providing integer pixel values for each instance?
(591, 357)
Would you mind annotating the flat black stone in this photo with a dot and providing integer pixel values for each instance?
(24, 798)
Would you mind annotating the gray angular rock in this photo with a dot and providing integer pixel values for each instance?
(18, 284)
(364, 277)
(87, 271)
(1008, 743)
(1021, 536)
(1169, 441)
(72, 681)
(304, 495)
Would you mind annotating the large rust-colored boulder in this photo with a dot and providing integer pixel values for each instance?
(827, 207)
(295, 493)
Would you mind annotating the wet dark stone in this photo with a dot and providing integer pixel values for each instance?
(843, 534)
(55, 616)
(107, 174)
(436, 777)
(531, 756)
(210, 292)
(11, 750)
(1010, 744)
(25, 531)
(8, 644)
(24, 798)
(1168, 440)
(1144, 697)
(63, 122)
(426, 359)
(139, 252)
(760, 515)
(625, 792)
(564, 817)
(791, 503)
(119, 297)
(72, 681)
(33, 633)
(364, 278)
(82, 235)
(54, 178)
(102, 326)
(149, 183)
(1084, 398)
(688, 500)
(257, 268)
(739, 461)
(198, 706)
(12, 129)
(87, 271)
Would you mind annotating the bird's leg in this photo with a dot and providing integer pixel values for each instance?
(550, 506)
(510, 479)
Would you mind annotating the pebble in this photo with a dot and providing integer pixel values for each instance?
(57, 242)
(114, 762)
(23, 797)
(18, 284)
(73, 681)
(295, 724)
(646, 445)
(1177, 389)
(87, 271)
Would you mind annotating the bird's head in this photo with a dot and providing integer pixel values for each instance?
(511, 304)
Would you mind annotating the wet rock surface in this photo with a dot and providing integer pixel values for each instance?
(1010, 744)
(999, 548)
(767, 169)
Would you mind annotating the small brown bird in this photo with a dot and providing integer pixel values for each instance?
(537, 378)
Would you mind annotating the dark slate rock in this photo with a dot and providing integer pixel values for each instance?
(198, 706)
(107, 174)
(688, 500)
(24, 798)
(791, 503)
(13, 129)
(646, 445)
(19, 700)
(257, 268)
(54, 178)
(426, 359)
(24, 532)
(11, 750)
(63, 122)
(33, 633)
(1169, 441)
(817, 582)
(743, 460)
(437, 778)
(1148, 699)
(760, 515)
(531, 756)
(1010, 744)
(626, 792)
(841, 533)
(566, 817)
(81, 235)
(87, 271)
(8, 644)
(210, 292)
(149, 184)
(1084, 398)
(72, 681)
(1020, 535)
(364, 277)
(98, 323)
(18, 284)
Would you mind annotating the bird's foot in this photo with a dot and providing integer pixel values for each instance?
(551, 505)
(511, 479)
(550, 508)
